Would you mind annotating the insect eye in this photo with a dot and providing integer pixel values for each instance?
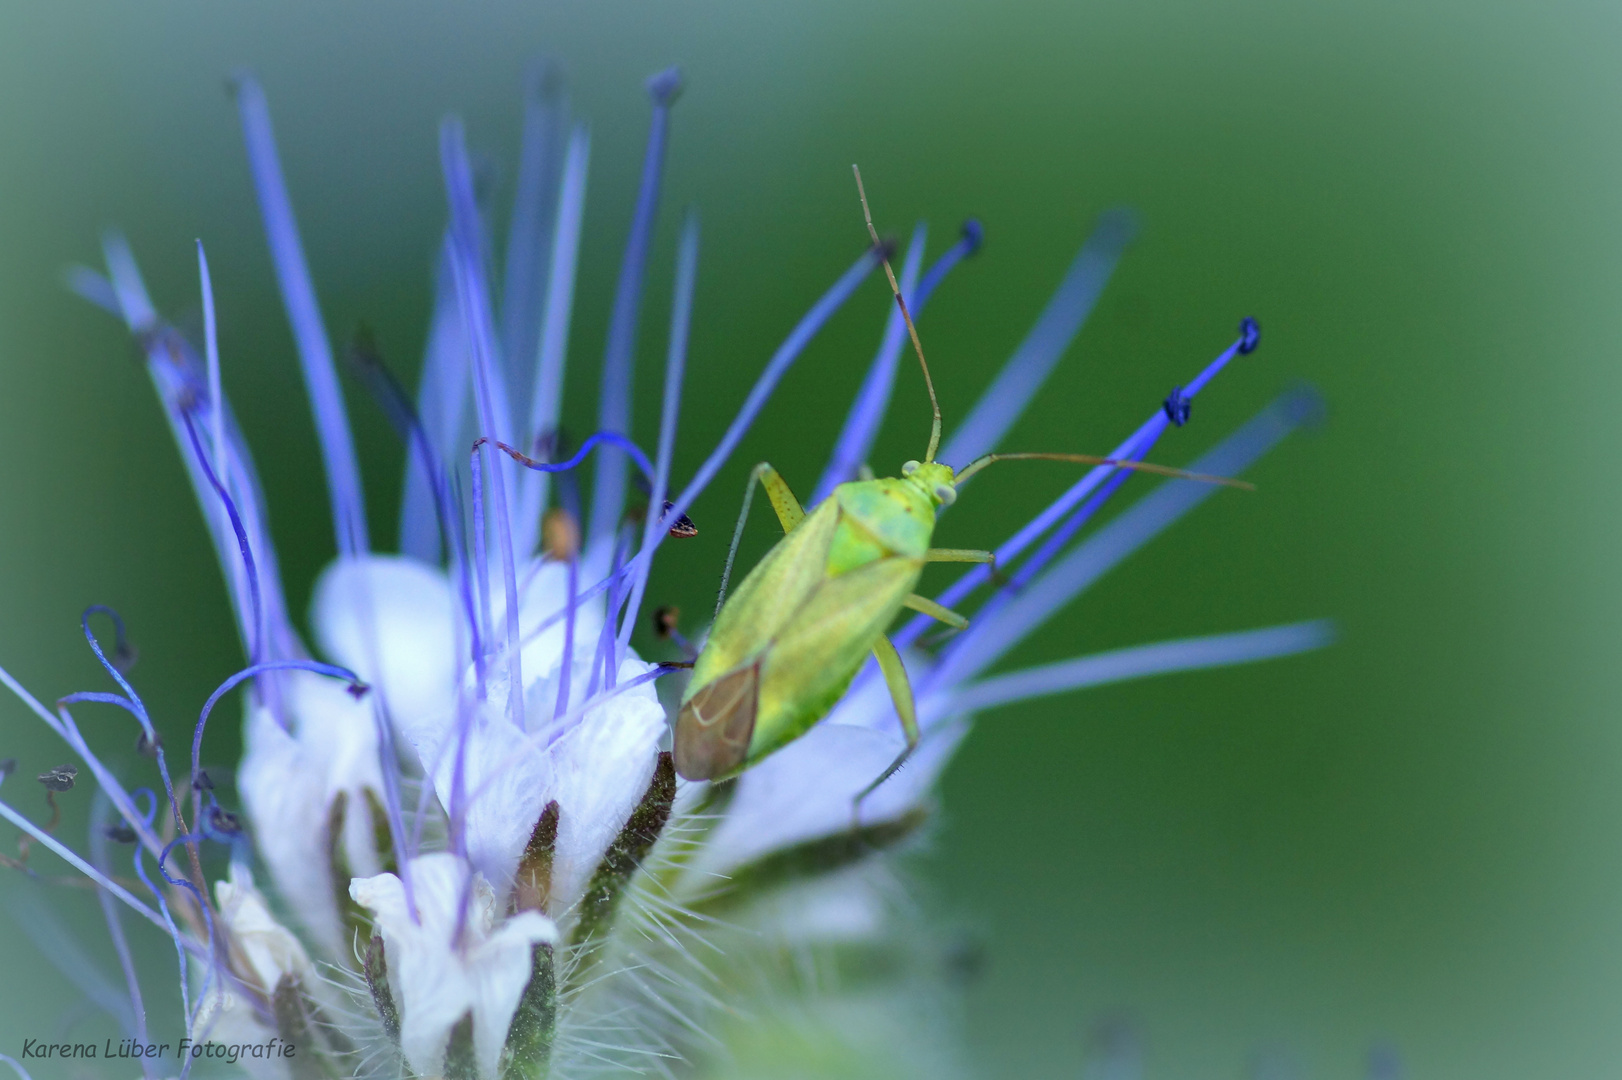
(945, 494)
(908, 468)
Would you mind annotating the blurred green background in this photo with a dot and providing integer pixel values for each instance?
(1411, 838)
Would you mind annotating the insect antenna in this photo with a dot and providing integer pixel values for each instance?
(912, 331)
(1088, 459)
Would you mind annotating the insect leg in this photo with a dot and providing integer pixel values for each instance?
(959, 555)
(789, 514)
(789, 511)
(962, 555)
(935, 611)
(895, 677)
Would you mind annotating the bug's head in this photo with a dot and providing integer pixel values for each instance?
(934, 479)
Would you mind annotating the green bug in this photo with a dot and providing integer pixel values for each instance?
(786, 645)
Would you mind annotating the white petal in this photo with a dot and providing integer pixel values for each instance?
(545, 594)
(269, 947)
(391, 619)
(507, 782)
(228, 1018)
(603, 768)
(597, 770)
(807, 790)
(438, 980)
(288, 781)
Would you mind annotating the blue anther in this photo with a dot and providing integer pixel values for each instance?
(1250, 335)
(1304, 406)
(223, 822)
(974, 234)
(1177, 406)
(664, 86)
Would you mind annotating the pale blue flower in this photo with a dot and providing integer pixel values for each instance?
(482, 861)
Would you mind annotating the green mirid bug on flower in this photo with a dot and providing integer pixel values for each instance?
(785, 646)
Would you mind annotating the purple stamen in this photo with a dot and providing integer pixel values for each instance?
(555, 321)
(131, 700)
(856, 438)
(69, 734)
(970, 238)
(133, 704)
(571, 506)
(183, 944)
(407, 424)
(388, 761)
(776, 367)
(603, 666)
(232, 683)
(127, 285)
(1135, 447)
(529, 237)
(481, 562)
(174, 372)
(463, 570)
(190, 839)
(488, 389)
(1177, 406)
(1005, 399)
(243, 575)
(72, 858)
(211, 351)
(304, 316)
(441, 402)
(566, 668)
(115, 925)
(1187, 654)
(1065, 533)
(601, 586)
(681, 317)
(95, 288)
(987, 639)
(593, 441)
(255, 640)
(867, 412)
(614, 410)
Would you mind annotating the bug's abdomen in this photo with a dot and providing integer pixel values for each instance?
(778, 585)
(818, 652)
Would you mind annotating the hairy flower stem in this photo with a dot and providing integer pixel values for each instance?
(534, 1026)
(623, 859)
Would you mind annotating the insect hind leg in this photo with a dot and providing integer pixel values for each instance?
(893, 768)
(895, 677)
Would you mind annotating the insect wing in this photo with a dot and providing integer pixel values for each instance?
(714, 728)
(774, 589)
(818, 652)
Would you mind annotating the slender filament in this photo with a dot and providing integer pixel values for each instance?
(1088, 459)
(912, 331)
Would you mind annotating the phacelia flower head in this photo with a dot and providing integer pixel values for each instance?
(475, 858)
